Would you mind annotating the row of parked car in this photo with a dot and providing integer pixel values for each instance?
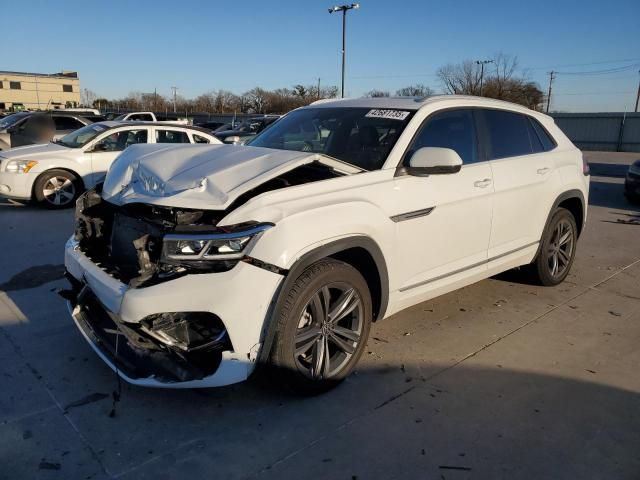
(66, 152)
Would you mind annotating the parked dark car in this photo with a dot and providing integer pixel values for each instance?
(211, 125)
(246, 130)
(632, 183)
(27, 128)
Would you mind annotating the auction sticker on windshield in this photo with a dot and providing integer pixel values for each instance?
(390, 114)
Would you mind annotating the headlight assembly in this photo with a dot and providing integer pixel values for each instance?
(195, 247)
(20, 166)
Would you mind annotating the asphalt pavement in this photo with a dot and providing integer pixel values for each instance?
(502, 379)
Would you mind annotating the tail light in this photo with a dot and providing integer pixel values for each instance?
(585, 167)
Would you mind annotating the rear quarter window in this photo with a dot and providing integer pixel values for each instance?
(545, 139)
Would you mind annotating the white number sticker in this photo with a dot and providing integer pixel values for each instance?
(390, 114)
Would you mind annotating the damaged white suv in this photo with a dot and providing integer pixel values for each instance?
(193, 264)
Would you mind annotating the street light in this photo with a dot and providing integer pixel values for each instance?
(343, 9)
(482, 63)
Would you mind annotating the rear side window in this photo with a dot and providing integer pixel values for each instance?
(171, 136)
(508, 134)
(543, 136)
(454, 129)
(141, 117)
(67, 123)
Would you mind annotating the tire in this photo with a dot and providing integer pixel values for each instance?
(304, 330)
(57, 189)
(554, 260)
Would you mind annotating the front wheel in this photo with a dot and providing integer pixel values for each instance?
(322, 327)
(557, 250)
(57, 189)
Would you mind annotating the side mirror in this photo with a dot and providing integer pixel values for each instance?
(99, 147)
(232, 140)
(434, 161)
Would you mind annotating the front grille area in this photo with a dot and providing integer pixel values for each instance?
(139, 355)
(126, 241)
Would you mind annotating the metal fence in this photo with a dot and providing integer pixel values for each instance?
(613, 132)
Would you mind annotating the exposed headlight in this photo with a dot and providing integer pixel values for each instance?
(635, 169)
(20, 166)
(179, 247)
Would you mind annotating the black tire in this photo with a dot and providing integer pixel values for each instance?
(555, 253)
(304, 321)
(57, 189)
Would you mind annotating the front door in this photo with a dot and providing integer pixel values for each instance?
(443, 222)
(112, 144)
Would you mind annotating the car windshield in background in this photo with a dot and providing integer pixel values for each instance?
(360, 136)
(82, 136)
(6, 122)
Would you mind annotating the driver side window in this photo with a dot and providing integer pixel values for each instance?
(118, 141)
(454, 129)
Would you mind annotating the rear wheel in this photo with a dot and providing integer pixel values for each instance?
(557, 250)
(322, 327)
(57, 189)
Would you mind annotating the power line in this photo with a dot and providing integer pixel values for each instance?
(604, 62)
(605, 71)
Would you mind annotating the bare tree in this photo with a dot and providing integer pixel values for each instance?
(257, 99)
(375, 93)
(417, 90)
(503, 79)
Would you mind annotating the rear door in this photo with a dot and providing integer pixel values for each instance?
(524, 178)
(171, 135)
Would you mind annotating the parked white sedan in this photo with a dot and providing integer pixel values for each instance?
(54, 174)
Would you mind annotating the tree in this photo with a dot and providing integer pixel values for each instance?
(417, 90)
(257, 100)
(503, 80)
(376, 93)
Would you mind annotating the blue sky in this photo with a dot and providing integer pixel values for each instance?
(122, 46)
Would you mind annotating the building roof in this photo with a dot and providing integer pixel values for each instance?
(50, 75)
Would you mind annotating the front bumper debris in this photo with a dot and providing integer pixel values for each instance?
(135, 333)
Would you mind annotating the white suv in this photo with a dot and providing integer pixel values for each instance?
(190, 266)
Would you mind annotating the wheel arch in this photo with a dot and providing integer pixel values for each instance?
(359, 251)
(69, 170)
(572, 200)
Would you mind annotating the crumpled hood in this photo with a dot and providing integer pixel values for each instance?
(194, 176)
(35, 151)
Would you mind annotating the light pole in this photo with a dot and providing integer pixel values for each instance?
(175, 89)
(343, 9)
(482, 63)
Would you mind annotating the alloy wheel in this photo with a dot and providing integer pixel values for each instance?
(560, 248)
(329, 331)
(59, 191)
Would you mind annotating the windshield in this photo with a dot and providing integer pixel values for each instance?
(82, 136)
(7, 121)
(360, 136)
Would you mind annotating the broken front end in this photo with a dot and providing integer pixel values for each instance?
(166, 296)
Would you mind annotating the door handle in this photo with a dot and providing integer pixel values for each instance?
(543, 171)
(482, 183)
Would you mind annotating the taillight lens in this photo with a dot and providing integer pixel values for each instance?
(585, 166)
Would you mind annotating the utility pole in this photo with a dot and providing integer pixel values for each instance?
(155, 99)
(344, 9)
(319, 89)
(637, 95)
(551, 77)
(175, 89)
(482, 63)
